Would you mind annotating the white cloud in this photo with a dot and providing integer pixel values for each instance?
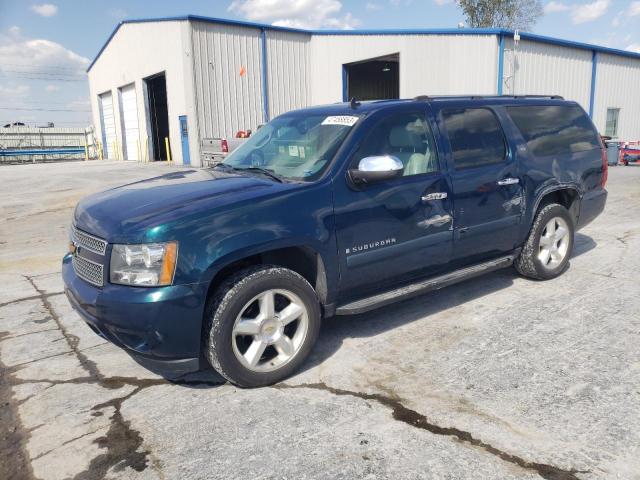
(298, 14)
(371, 7)
(52, 88)
(553, 7)
(440, 3)
(634, 47)
(634, 9)
(45, 9)
(38, 55)
(14, 31)
(11, 92)
(589, 11)
(617, 19)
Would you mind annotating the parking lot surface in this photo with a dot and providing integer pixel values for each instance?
(497, 377)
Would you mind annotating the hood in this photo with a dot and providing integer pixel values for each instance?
(133, 209)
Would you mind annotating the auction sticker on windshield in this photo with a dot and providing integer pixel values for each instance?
(347, 120)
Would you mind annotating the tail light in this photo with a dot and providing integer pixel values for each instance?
(605, 165)
(225, 145)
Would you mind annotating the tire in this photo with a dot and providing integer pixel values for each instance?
(533, 261)
(244, 336)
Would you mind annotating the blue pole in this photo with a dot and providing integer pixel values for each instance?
(345, 94)
(265, 84)
(594, 71)
(500, 63)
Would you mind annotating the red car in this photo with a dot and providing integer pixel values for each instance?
(630, 153)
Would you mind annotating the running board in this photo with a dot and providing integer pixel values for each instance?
(424, 286)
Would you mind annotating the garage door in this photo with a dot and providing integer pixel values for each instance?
(129, 109)
(108, 124)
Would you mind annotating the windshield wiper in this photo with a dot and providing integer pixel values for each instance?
(265, 171)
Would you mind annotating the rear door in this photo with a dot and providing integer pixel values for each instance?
(487, 190)
(392, 230)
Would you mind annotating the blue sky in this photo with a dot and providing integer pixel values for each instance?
(46, 46)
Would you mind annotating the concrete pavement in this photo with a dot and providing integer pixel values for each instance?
(497, 377)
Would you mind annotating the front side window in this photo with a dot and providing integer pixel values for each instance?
(555, 129)
(475, 136)
(611, 129)
(406, 136)
(296, 146)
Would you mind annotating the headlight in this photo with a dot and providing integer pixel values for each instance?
(147, 265)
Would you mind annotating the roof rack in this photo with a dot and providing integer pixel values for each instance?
(426, 98)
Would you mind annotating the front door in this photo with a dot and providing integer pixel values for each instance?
(487, 193)
(393, 230)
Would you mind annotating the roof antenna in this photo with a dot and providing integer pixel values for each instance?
(354, 103)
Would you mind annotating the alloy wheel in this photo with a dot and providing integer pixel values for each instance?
(270, 330)
(554, 243)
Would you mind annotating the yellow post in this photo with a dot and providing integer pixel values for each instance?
(138, 147)
(166, 145)
(100, 150)
(86, 149)
(146, 149)
(113, 150)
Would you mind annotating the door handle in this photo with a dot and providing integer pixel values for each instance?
(436, 221)
(508, 181)
(434, 196)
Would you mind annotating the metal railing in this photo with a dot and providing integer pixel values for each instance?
(20, 144)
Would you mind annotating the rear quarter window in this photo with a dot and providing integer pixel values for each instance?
(555, 129)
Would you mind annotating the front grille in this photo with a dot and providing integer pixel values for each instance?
(89, 271)
(91, 243)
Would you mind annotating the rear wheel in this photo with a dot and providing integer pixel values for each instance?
(262, 324)
(546, 252)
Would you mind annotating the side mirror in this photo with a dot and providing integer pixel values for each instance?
(376, 169)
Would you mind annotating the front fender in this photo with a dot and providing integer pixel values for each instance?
(299, 217)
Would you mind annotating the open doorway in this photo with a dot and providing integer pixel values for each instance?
(373, 79)
(158, 121)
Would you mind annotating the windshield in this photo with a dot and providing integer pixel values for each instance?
(294, 147)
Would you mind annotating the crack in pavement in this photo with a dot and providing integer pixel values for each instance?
(417, 420)
(14, 459)
(122, 442)
(32, 297)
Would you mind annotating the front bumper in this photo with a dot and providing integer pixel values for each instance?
(160, 327)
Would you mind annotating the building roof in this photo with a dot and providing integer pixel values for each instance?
(500, 32)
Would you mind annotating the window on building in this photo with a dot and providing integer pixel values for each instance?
(555, 129)
(611, 128)
(475, 136)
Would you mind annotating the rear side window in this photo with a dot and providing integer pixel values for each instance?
(555, 129)
(475, 136)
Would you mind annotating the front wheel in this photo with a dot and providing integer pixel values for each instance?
(546, 252)
(261, 325)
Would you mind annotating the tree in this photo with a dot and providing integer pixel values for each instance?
(512, 14)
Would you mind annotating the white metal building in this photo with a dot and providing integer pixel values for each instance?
(191, 78)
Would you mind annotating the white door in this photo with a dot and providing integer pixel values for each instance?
(108, 124)
(129, 109)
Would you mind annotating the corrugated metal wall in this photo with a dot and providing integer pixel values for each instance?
(226, 101)
(618, 86)
(429, 64)
(543, 69)
(288, 71)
